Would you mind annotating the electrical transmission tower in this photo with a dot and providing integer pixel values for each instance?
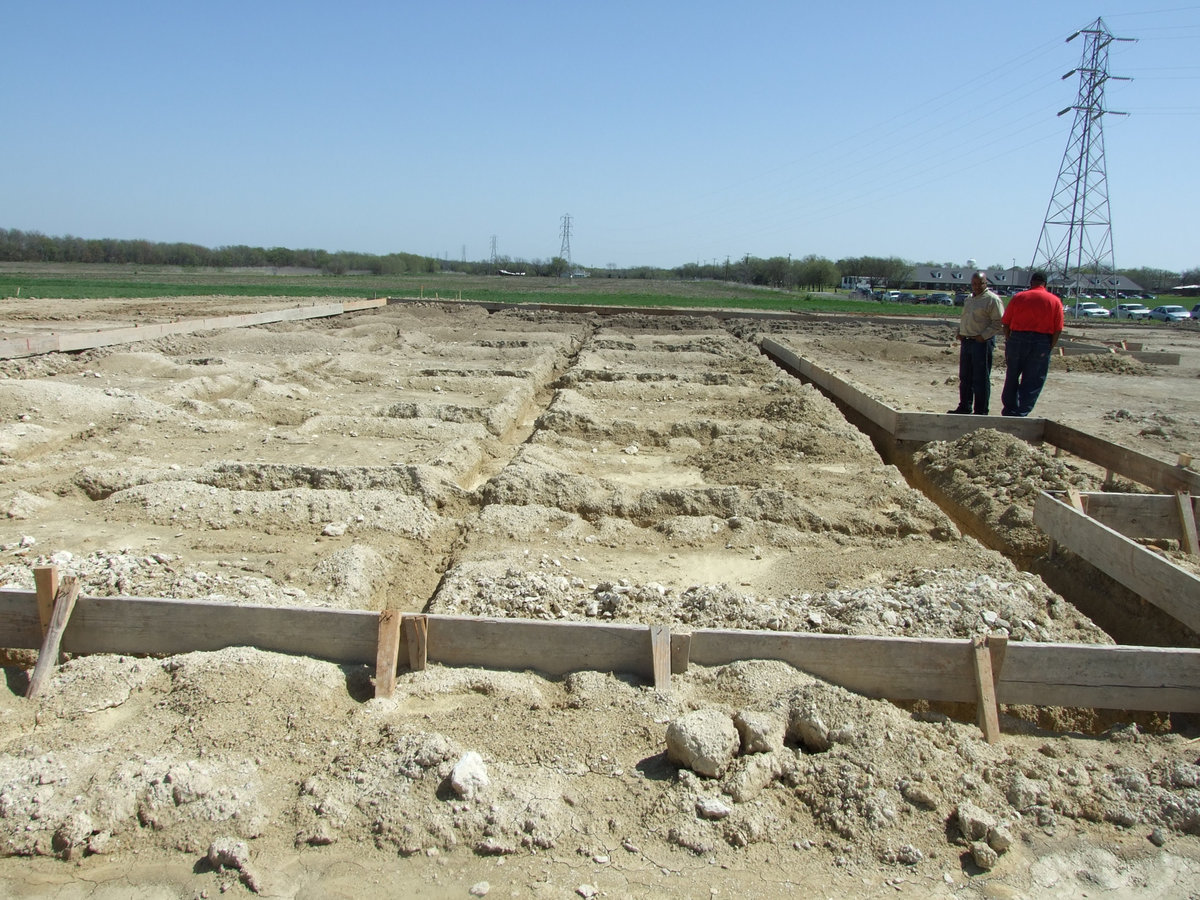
(565, 250)
(1076, 238)
(494, 257)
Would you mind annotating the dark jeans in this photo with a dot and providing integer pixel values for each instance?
(975, 375)
(1027, 355)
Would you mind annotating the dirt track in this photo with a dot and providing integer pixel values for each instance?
(547, 466)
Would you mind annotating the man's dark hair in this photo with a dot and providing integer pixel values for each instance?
(1037, 278)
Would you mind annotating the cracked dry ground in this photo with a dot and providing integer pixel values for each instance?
(536, 465)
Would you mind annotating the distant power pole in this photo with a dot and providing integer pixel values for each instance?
(494, 257)
(565, 249)
(1076, 237)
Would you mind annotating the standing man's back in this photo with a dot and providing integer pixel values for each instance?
(1033, 322)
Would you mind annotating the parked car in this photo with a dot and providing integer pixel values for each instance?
(1086, 309)
(1170, 313)
(1130, 311)
(941, 299)
(1196, 311)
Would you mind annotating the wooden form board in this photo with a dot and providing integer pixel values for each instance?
(920, 427)
(85, 340)
(879, 413)
(1147, 470)
(1139, 515)
(925, 427)
(1166, 680)
(1150, 576)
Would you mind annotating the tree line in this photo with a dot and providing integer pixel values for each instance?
(811, 272)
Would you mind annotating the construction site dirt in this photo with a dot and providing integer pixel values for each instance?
(607, 468)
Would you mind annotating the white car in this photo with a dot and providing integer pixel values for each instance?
(1131, 311)
(1170, 313)
(1085, 309)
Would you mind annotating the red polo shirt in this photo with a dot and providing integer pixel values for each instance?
(1035, 310)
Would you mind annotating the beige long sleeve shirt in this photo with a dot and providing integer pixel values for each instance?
(981, 316)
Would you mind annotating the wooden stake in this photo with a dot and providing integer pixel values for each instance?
(660, 649)
(387, 653)
(1187, 521)
(64, 603)
(989, 712)
(416, 633)
(45, 578)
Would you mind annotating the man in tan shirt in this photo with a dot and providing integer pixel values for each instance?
(977, 329)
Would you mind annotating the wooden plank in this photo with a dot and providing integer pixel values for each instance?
(554, 648)
(45, 578)
(924, 427)
(31, 345)
(1164, 679)
(1156, 358)
(1187, 524)
(1147, 470)
(47, 661)
(416, 633)
(166, 627)
(387, 653)
(879, 413)
(1135, 515)
(20, 627)
(985, 688)
(85, 340)
(1144, 572)
(660, 649)
(898, 668)
(1100, 676)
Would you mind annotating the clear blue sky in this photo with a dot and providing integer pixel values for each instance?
(670, 132)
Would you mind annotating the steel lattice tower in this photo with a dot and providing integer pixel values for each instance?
(1076, 238)
(565, 250)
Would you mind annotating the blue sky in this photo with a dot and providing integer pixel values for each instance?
(670, 132)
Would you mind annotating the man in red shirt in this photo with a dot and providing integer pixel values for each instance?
(1032, 323)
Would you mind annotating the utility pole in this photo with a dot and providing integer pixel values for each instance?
(1076, 236)
(494, 257)
(565, 249)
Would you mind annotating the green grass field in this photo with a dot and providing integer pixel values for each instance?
(31, 281)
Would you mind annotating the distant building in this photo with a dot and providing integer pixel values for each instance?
(943, 278)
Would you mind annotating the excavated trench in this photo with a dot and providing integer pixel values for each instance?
(1120, 612)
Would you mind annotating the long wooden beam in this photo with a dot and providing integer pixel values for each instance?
(879, 413)
(1098, 676)
(1147, 470)
(1167, 586)
(67, 341)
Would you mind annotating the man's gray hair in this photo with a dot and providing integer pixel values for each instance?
(979, 274)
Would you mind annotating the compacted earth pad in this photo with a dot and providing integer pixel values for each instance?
(524, 464)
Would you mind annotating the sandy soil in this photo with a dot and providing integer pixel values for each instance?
(537, 465)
